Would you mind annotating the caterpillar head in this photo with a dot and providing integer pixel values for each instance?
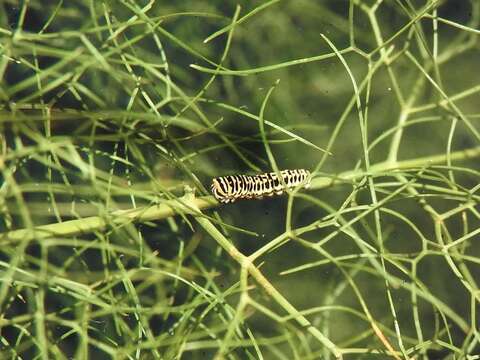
(219, 191)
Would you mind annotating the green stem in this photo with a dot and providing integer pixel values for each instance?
(253, 270)
(347, 176)
(173, 207)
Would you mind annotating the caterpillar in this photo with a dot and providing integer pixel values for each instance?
(232, 187)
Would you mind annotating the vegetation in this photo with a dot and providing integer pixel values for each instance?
(114, 117)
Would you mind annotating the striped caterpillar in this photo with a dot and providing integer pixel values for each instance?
(232, 187)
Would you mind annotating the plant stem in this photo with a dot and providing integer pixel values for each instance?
(173, 207)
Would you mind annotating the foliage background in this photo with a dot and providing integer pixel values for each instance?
(108, 109)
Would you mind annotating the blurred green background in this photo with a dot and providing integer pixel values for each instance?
(110, 106)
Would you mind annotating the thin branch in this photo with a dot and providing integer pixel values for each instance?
(173, 207)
